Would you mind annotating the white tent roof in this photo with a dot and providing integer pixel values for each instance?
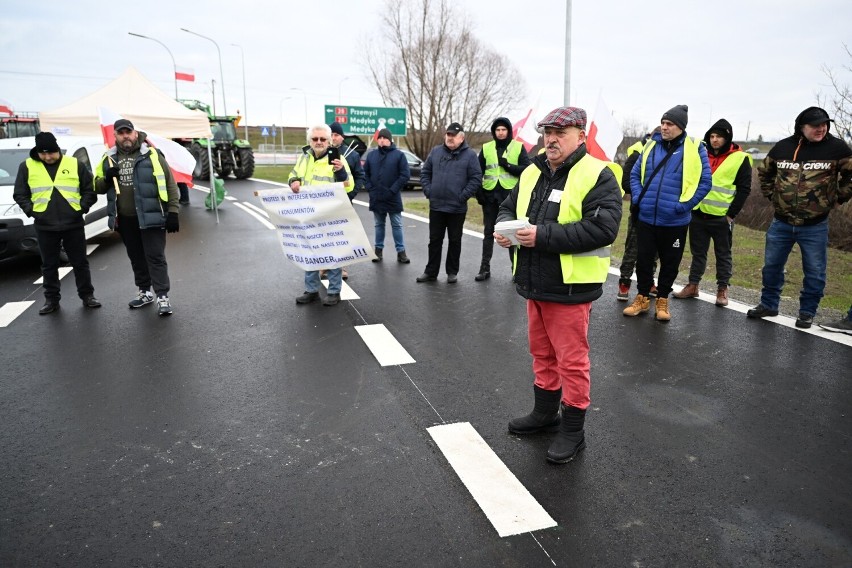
(133, 97)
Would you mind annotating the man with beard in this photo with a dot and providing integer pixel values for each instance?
(714, 216)
(502, 160)
(142, 204)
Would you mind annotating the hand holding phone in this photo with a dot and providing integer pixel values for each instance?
(333, 154)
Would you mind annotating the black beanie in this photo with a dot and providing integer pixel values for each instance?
(385, 133)
(44, 142)
(678, 115)
(723, 128)
(336, 128)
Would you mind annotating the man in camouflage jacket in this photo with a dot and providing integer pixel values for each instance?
(804, 176)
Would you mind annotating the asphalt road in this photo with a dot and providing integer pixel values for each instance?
(245, 430)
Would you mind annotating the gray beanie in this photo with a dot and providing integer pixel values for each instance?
(678, 115)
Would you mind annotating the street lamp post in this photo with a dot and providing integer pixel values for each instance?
(305, 95)
(245, 104)
(221, 73)
(174, 65)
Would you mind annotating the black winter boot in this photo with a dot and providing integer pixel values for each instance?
(543, 418)
(484, 272)
(571, 438)
(378, 255)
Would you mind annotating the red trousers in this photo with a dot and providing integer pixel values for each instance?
(559, 345)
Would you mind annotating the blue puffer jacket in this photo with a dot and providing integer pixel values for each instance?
(450, 178)
(386, 170)
(661, 205)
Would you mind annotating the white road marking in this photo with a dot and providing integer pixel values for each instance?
(263, 221)
(346, 292)
(63, 271)
(90, 249)
(384, 346)
(505, 501)
(256, 208)
(230, 198)
(12, 310)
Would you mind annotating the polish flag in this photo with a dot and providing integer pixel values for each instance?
(184, 74)
(604, 133)
(524, 131)
(6, 107)
(180, 161)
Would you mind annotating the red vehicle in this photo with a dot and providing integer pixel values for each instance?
(19, 125)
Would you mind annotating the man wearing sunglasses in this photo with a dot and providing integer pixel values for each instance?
(314, 168)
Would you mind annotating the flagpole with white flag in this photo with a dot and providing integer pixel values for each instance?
(604, 133)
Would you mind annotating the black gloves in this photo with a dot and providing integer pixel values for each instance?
(504, 163)
(110, 175)
(172, 223)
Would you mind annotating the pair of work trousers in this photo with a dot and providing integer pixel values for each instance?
(701, 230)
(490, 210)
(559, 345)
(452, 224)
(668, 243)
(146, 249)
(50, 243)
(631, 250)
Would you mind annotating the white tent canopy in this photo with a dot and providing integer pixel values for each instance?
(133, 97)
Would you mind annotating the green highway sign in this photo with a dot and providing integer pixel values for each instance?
(366, 120)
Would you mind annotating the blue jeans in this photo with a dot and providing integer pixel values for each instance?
(335, 280)
(396, 230)
(813, 242)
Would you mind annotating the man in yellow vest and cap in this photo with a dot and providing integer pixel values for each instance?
(713, 218)
(56, 191)
(670, 178)
(572, 203)
(502, 160)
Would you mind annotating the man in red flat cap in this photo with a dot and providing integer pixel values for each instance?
(560, 266)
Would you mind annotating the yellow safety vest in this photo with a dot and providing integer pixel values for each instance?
(67, 183)
(721, 195)
(691, 166)
(493, 172)
(318, 172)
(583, 267)
(159, 173)
(635, 148)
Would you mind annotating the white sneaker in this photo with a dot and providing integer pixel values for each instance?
(163, 306)
(144, 298)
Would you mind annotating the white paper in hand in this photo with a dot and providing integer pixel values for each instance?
(509, 228)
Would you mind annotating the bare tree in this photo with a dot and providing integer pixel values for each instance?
(634, 128)
(428, 61)
(839, 104)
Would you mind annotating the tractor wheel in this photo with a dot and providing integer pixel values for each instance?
(202, 161)
(246, 163)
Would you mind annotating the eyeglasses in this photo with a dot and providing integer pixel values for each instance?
(319, 139)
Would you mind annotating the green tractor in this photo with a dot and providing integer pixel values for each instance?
(231, 155)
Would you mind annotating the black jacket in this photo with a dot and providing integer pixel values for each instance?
(538, 273)
(499, 193)
(386, 171)
(59, 215)
(450, 178)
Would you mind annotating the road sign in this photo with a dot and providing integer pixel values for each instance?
(366, 120)
(264, 132)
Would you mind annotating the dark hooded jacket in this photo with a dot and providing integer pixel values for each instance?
(59, 215)
(450, 178)
(500, 193)
(386, 171)
(803, 179)
(742, 181)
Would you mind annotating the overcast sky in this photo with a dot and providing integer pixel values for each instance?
(756, 63)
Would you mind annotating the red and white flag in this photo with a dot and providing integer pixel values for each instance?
(604, 133)
(524, 131)
(184, 74)
(180, 161)
(6, 107)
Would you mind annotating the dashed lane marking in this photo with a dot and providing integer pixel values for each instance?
(384, 346)
(346, 292)
(11, 310)
(505, 501)
(63, 272)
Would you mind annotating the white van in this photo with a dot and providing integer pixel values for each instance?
(17, 234)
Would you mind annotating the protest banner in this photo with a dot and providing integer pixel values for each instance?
(317, 227)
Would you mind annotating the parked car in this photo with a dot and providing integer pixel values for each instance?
(17, 234)
(415, 164)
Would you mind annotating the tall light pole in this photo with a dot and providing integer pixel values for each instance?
(174, 65)
(245, 105)
(567, 94)
(221, 73)
(305, 95)
(339, 85)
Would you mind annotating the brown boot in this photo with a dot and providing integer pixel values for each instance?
(640, 305)
(722, 296)
(662, 308)
(689, 291)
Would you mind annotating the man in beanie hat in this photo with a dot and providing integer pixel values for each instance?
(804, 176)
(450, 176)
(142, 204)
(56, 191)
(502, 160)
(670, 178)
(714, 216)
(386, 171)
(561, 263)
(352, 158)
